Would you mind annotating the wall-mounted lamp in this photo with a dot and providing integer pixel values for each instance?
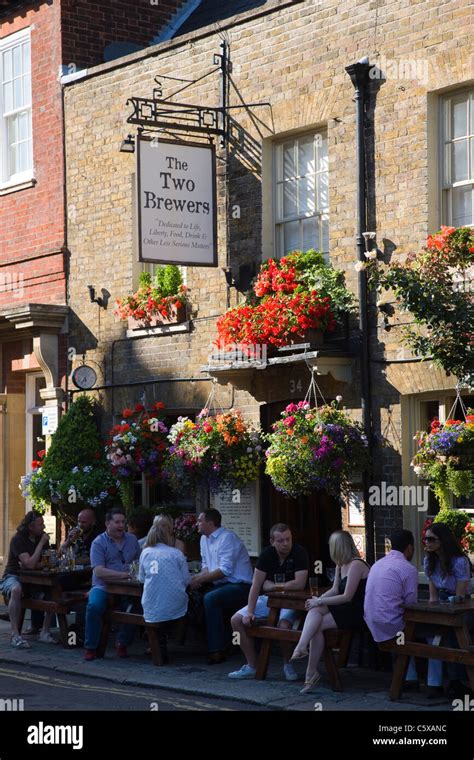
(243, 280)
(128, 145)
(101, 301)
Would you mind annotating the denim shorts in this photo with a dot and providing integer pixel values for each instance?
(8, 583)
(263, 611)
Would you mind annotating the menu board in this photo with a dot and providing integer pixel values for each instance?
(240, 510)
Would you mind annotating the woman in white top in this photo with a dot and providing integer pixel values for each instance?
(168, 525)
(164, 572)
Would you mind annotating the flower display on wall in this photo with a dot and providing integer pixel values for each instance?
(445, 458)
(314, 449)
(290, 296)
(217, 451)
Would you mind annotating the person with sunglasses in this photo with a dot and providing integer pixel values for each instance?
(111, 554)
(449, 574)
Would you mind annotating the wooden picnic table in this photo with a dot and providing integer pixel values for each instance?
(61, 598)
(443, 617)
(295, 600)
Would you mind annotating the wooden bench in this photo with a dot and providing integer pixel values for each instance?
(133, 589)
(442, 617)
(334, 638)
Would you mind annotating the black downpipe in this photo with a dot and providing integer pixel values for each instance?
(359, 74)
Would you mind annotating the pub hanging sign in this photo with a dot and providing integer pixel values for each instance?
(176, 202)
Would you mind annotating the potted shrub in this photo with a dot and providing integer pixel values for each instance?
(219, 451)
(445, 458)
(314, 449)
(160, 301)
(297, 298)
(74, 472)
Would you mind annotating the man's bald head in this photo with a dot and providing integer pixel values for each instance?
(86, 519)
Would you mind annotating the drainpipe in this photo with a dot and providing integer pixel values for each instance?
(359, 74)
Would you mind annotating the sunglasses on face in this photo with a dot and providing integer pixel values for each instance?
(431, 539)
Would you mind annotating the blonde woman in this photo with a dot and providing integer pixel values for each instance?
(340, 607)
(164, 572)
(167, 523)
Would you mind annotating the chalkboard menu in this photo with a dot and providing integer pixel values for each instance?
(240, 510)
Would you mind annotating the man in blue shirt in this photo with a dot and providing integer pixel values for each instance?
(111, 554)
(225, 565)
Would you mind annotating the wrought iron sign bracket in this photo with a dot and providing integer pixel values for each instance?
(166, 115)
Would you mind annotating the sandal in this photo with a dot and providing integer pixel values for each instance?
(299, 654)
(309, 685)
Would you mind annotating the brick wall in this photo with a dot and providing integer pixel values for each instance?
(89, 26)
(294, 58)
(32, 220)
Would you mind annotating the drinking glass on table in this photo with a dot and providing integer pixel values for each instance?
(314, 586)
(279, 580)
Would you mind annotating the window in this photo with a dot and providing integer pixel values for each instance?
(458, 159)
(301, 194)
(16, 157)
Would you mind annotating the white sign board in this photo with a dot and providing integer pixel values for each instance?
(176, 202)
(240, 510)
(356, 508)
(49, 420)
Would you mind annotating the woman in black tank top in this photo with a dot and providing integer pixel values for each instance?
(340, 607)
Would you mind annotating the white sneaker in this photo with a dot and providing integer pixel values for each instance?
(46, 638)
(18, 643)
(245, 672)
(290, 672)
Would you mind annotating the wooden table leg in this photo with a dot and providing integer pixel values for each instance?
(332, 671)
(464, 641)
(153, 640)
(264, 656)
(63, 629)
(401, 665)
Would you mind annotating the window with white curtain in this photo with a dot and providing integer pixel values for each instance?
(457, 145)
(301, 194)
(16, 154)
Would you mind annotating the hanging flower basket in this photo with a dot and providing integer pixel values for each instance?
(219, 451)
(314, 449)
(445, 458)
(136, 447)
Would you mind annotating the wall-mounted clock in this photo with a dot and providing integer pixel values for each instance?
(84, 377)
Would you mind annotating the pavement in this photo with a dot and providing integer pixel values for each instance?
(365, 689)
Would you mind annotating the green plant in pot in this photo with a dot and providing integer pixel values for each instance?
(73, 473)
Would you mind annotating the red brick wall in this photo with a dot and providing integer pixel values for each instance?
(90, 25)
(32, 220)
(13, 382)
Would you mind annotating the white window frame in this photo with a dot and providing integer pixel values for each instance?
(31, 409)
(279, 220)
(445, 141)
(7, 180)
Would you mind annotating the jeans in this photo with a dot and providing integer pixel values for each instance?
(96, 607)
(230, 596)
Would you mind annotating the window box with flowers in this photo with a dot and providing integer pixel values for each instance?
(158, 302)
(296, 298)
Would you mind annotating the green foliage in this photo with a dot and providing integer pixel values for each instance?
(168, 280)
(455, 519)
(429, 285)
(74, 472)
(316, 274)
